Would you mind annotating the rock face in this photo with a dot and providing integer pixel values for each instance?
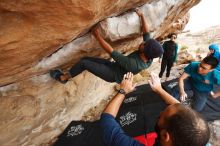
(33, 30)
(36, 36)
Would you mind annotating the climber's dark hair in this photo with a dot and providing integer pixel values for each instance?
(210, 60)
(171, 34)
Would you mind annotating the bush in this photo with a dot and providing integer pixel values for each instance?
(184, 47)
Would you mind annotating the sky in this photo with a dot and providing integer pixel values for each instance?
(204, 15)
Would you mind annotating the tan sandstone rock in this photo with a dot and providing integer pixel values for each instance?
(31, 31)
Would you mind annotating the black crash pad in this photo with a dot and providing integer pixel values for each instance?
(137, 116)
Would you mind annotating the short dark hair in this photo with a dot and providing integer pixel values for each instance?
(171, 34)
(211, 61)
(187, 127)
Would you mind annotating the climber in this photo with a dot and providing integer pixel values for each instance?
(169, 56)
(199, 78)
(114, 71)
(214, 51)
(177, 125)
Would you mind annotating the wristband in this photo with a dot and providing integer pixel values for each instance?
(122, 91)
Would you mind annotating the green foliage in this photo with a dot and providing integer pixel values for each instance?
(184, 47)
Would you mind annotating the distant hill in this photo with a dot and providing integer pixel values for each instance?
(199, 41)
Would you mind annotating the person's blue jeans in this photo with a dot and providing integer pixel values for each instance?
(199, 97)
